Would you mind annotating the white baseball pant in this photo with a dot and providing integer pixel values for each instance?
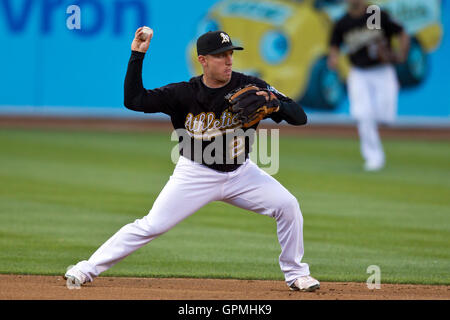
(373, 95)
(192, 186)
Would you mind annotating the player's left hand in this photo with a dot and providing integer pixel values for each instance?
(252, 104)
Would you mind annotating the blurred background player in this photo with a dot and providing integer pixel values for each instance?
(372, 82)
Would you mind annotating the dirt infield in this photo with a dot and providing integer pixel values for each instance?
(151, 125)
(26, 287)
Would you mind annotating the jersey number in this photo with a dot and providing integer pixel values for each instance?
(237, 146)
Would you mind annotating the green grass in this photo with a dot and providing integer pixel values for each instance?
(63, 193)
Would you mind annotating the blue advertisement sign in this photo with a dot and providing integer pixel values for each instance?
(69, 57)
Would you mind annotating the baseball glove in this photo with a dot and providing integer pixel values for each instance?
(250, 107)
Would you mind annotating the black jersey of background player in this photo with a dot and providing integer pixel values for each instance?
(361, 43)
(201, 110)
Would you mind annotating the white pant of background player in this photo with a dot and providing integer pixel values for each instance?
(192, 186)
(373, 94)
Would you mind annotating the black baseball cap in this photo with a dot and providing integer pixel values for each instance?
(214, 42)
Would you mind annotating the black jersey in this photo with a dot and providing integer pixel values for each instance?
(202, 111)
(361, 42)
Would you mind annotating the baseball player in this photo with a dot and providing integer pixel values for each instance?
(217, 103)
(372, 81)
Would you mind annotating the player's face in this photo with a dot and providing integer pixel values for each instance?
(219, 66)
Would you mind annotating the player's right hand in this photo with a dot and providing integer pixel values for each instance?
(138, 44)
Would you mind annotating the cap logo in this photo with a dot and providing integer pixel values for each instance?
(225, 38)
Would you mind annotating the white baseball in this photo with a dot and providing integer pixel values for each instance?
(146, 32)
